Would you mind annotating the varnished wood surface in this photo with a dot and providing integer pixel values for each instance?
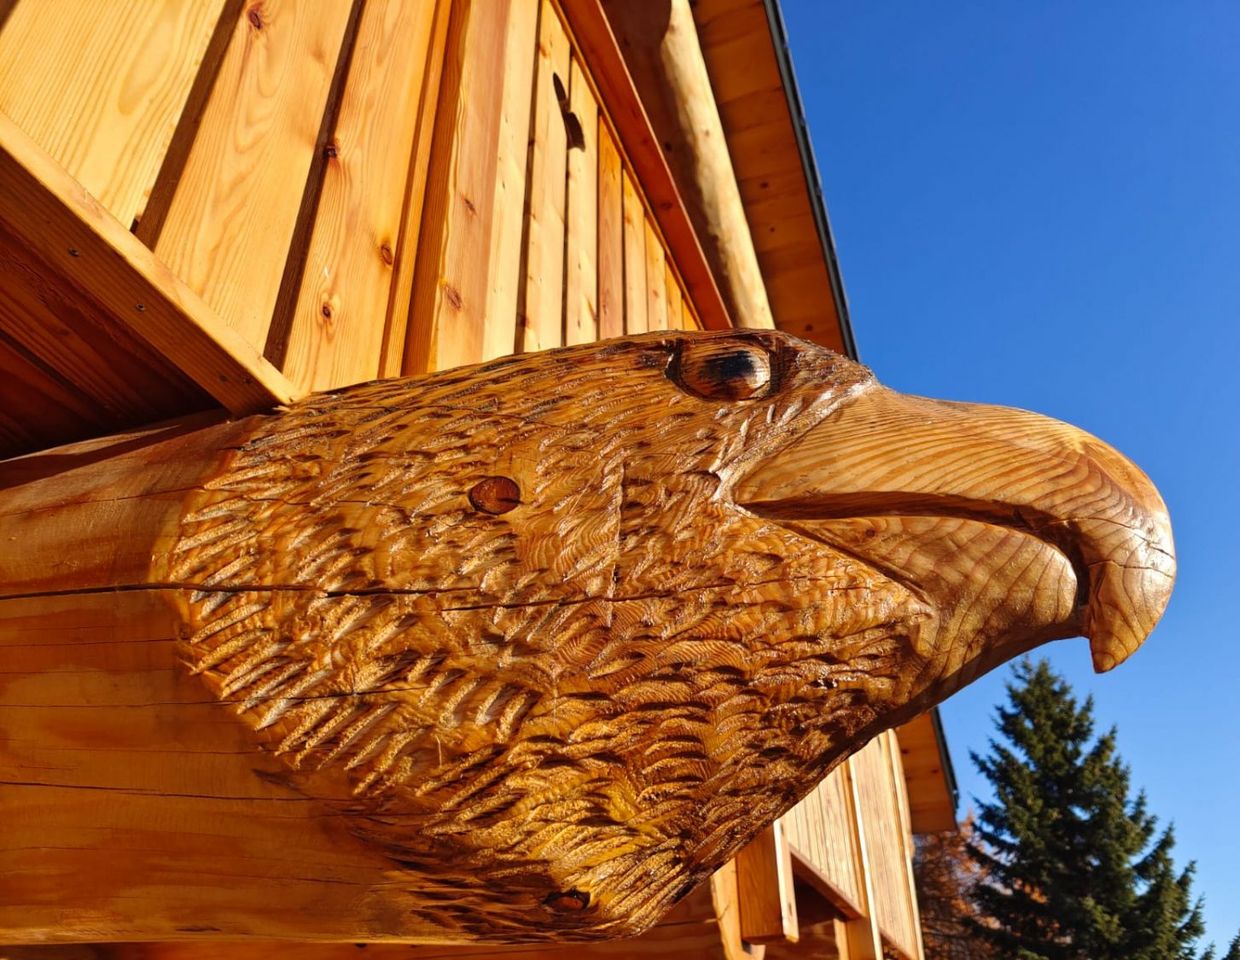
(78, 247)
(359, 662)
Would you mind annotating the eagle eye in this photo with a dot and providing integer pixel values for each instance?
(724, 369)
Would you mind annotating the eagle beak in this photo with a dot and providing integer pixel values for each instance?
(887, 455)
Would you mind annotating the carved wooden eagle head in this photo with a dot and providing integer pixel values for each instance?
(563, 631)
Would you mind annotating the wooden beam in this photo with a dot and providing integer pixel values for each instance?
(593, 36)
(90, 250)
(661, 48)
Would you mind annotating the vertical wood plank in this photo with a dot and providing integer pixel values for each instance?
(508, 207)
(865, 941)
(581, 249)
(235, 210)
(675, 316)
(337, 330)
(100, 85)
(542, 307)
(688, 318)
(656, 294)
(450, 288)
(396, 331)
(610, 237)
(768, 907)
(634, 259)
(905, 833)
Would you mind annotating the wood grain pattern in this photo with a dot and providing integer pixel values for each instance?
(508, 206)
(228, 228)
(545, 719)
(542, 307)
(451, 279)
(656, 281)
(339, 319)
(581, 266)
(610, 237)
(597, 45)
(81, 246)
(100, 86)
(634, 260)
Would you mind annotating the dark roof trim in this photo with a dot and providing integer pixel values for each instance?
(945, 757)
(783, 56)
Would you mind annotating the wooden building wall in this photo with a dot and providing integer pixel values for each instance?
(342, 191)
(222, 203)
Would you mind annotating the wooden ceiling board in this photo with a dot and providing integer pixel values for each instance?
(932, 806)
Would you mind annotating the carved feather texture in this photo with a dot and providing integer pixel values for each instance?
(557, 719)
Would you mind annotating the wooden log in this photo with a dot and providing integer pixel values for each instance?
(512, 653)
(661, 49)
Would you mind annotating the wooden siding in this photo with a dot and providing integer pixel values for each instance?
(349, 192)
(851, 840)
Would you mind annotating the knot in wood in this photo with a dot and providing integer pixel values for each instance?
(495, 495)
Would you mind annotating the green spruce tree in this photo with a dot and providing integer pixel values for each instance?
(1071, 864)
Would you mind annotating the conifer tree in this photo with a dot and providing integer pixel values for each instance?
(1070, 870)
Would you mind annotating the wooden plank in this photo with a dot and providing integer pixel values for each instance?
(610, 237)
(634, 259)
(450, 288)
(581, 248)
(865, 939)
(768, 906)
(338, 322)
(725, 895)
(508, 205)
(656, 294)
(396, 332)
(675, 313)
(915, 946)
(542, 307)
(639, 145)
(100, 86)
(688, 318)
(122, 380)
(231, 221)
(122, 279)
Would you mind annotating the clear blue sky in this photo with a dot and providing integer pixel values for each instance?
(1038, 204)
